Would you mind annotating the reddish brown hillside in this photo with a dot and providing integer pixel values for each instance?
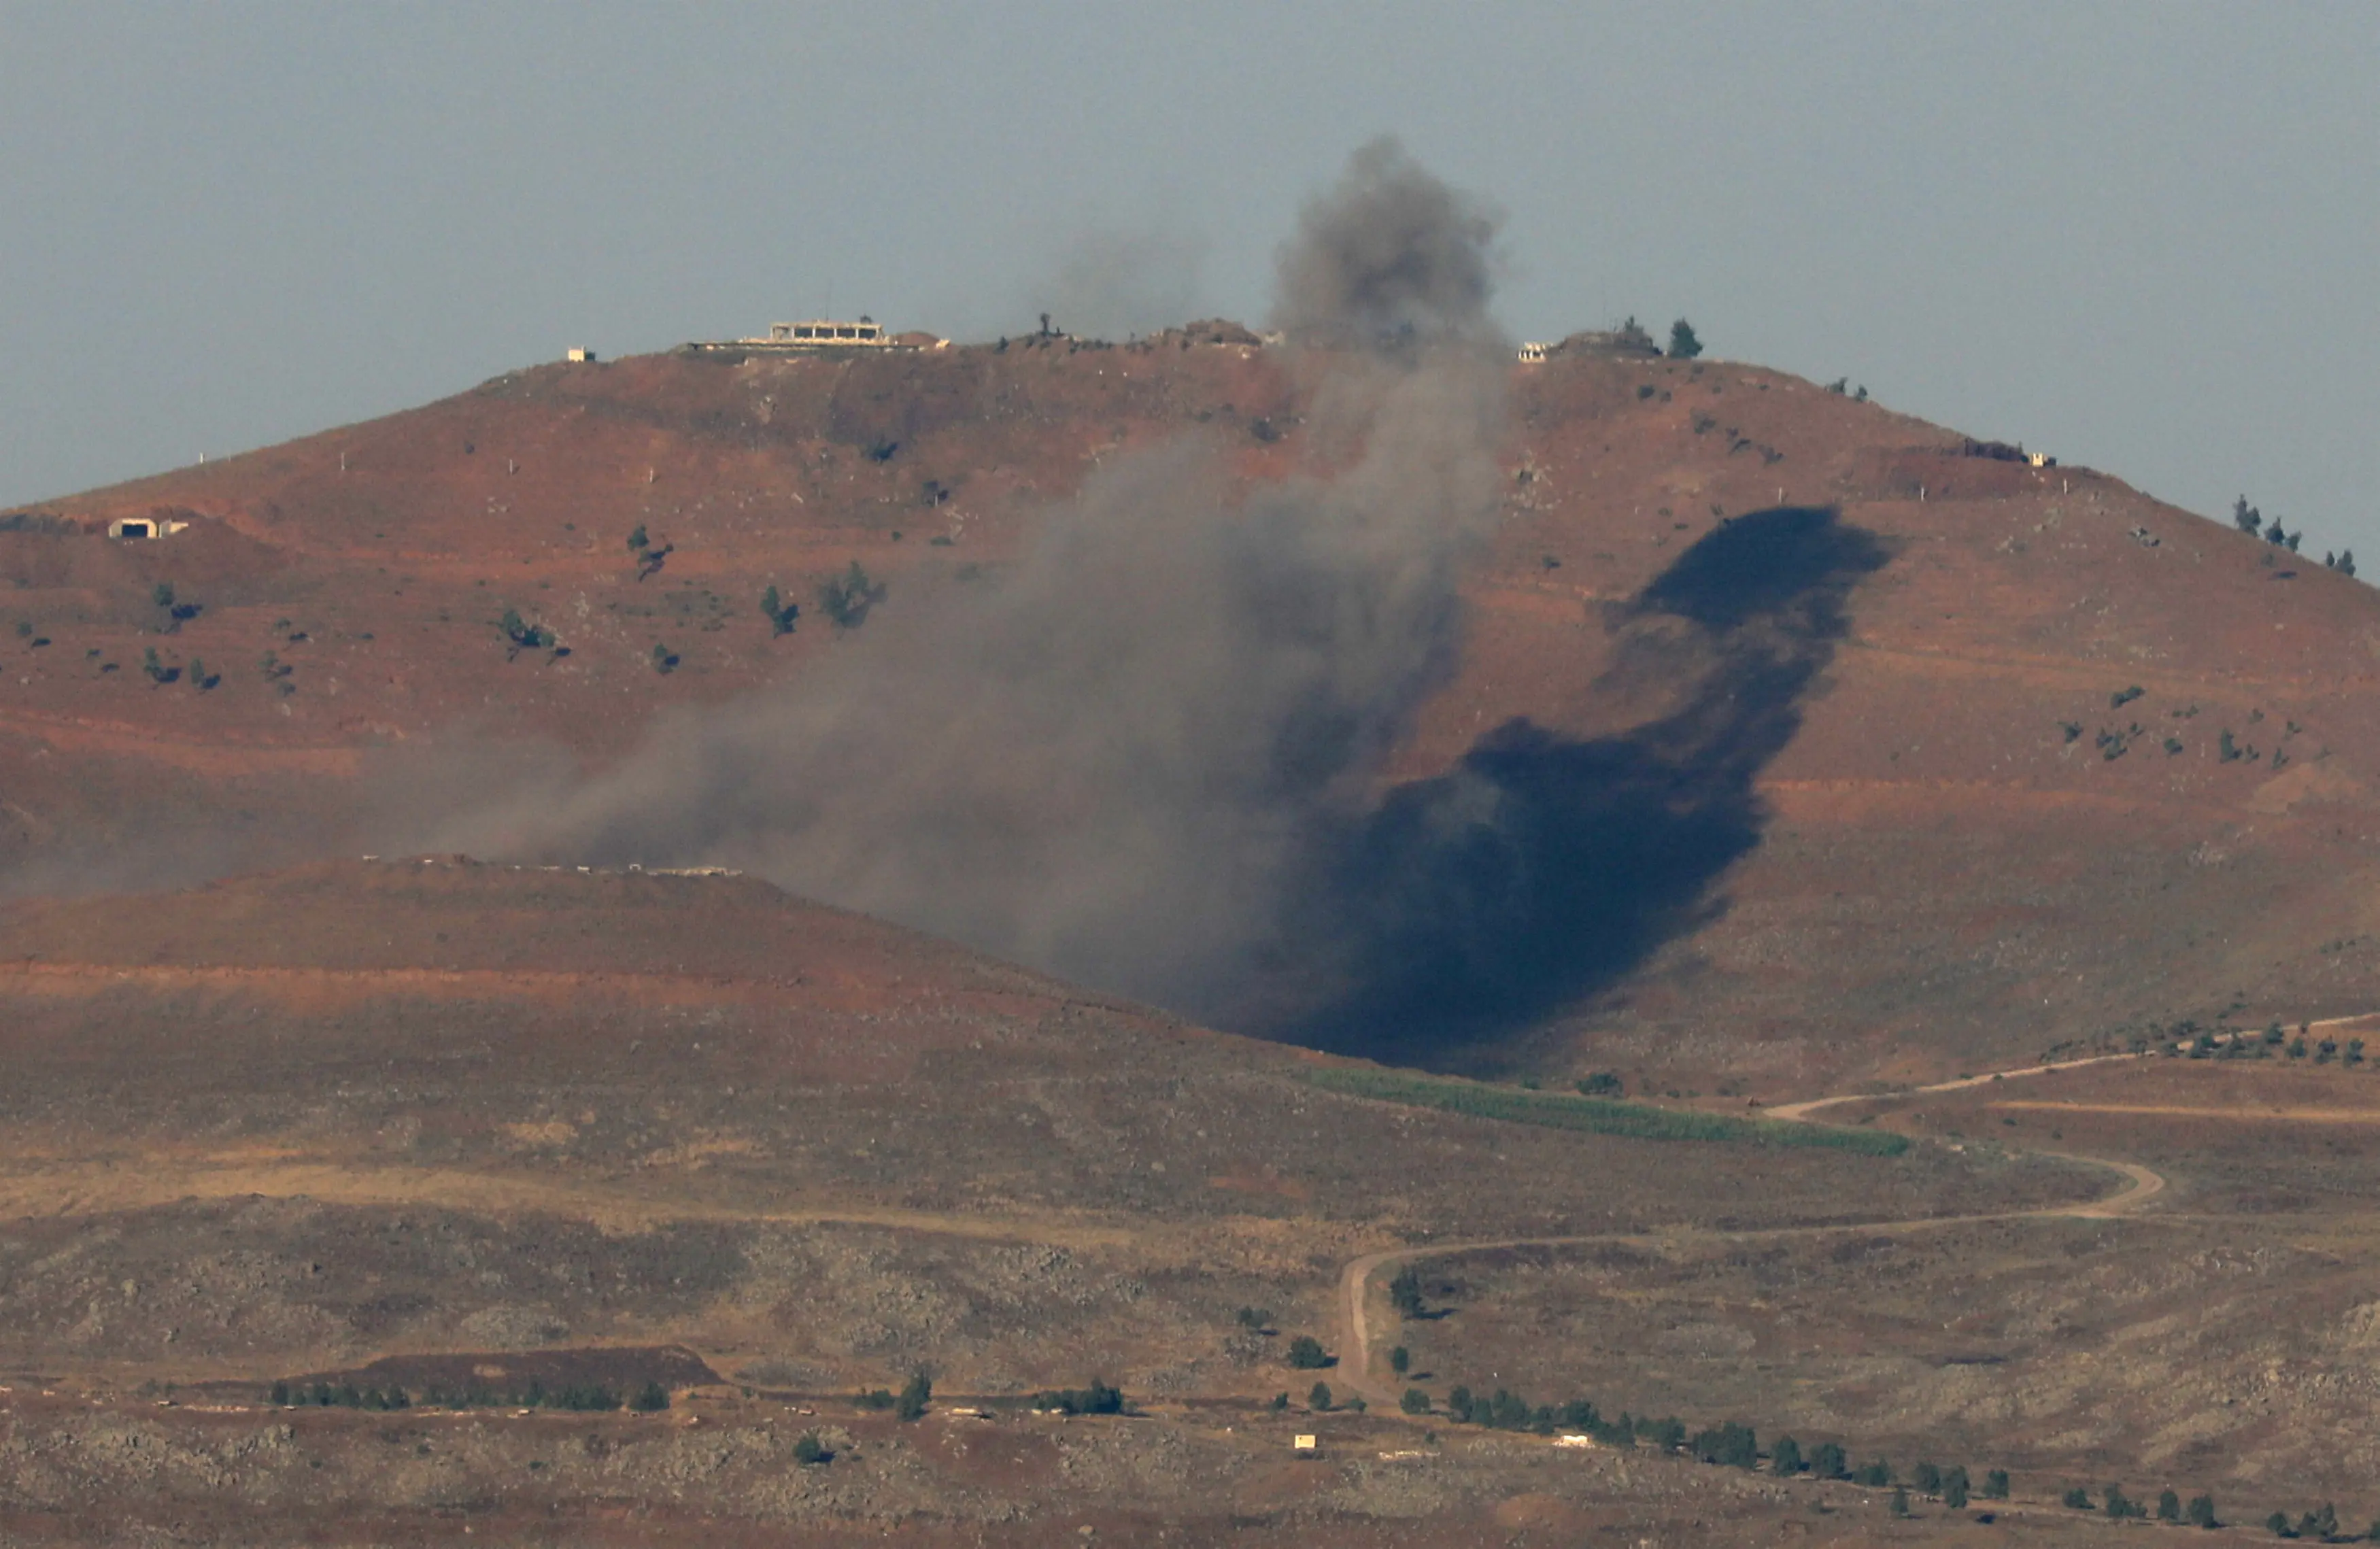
(1851, 794)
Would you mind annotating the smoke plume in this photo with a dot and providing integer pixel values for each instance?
(1120, 758)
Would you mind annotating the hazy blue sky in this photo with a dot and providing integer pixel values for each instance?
(2142, 237)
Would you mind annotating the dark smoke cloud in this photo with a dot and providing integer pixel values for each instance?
(1121, 758)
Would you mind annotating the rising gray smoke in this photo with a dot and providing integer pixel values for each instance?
(1115, 761)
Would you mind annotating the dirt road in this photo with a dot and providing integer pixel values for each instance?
(2141, 1185)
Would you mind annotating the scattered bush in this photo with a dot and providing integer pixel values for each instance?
(1257, 1320)
(1306, 1354)
(810, 1450)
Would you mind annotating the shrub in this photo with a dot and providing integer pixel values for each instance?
(1404, 1293)
(664, 659)
(1400, 1361)
(810, 1450)
(1827, 1461)
(1730, 1446)
(1415, 1401)
(1785, 1457)
(847, 597)
(1100, 1398)
(1927, 1478)
(1877, 1475)
(1684, 346)
(1306, 1354)
(651, 1399)
(637, 541)
(1900, 1502)
(2078, 1497)
(1995, 1485)
(2168, 1507)
(1601, 1083)
(1458, 1402)
(780, 613)
(1318, 1397)
(879, 1399)
(1253, 1319)
(1954, 1489)
(523, 635)
(911, 1405)
(2246, 517)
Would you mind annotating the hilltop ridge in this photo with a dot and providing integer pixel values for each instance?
(2048, 762)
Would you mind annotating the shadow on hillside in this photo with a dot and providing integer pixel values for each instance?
(1543, 869)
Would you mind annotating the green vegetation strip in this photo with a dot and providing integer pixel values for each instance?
(1601, 1116)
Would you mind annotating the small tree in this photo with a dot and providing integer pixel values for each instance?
(1400, 1361)
(780, 613)
(1827, 1460)
(1458, 1402)
(2078, 1497)
(2246, 517)
(650, 1400)
(1927, 1478)
(1279, 1402)
(2278, 1522)
(1602, 1083)
(1954, 1489)
(1415, 1401)
(1900, 1501)
(1306, 1354)
(810, 1450)
(2199, 1512)
(2168, 1507)
(664, 659)
(911, 1405)
(1318, 1397)
(1255, 1320)
(1404, 1293)
(1995, 1484)
(1877, 1475)
(2347, 562)
(2321, 1524)
(1684, 346)
(1785, 1457)
(848, 599)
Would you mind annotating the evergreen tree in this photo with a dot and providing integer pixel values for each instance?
(2201, 1511)
(1306, 1353)
(1319, 1398)
(1927, 1478)
(1458, 1403)
(1400, 1361)
(1954, 1489)
(2078, 1497)
(911, 1405)
(1415, 1401)
(1900, 1501)
(1404, 1293)
(2279, 1524)
(1684, 346)
(1827, 1460)
(1995, 1485)
(2246, 517)
(2168, 1507)
(810, 1450)
(1785, 1457)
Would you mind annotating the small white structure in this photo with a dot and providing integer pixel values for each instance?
(144, 527)
(1304, 1443)
(1533, 355)
(1575, 1440)
(2038, 459)
(581, 356)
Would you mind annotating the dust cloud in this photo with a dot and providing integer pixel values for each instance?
(1121, 758)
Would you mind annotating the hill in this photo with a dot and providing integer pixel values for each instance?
(1841, 744)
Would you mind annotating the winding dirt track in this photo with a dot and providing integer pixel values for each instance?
(2141, 1185)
